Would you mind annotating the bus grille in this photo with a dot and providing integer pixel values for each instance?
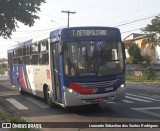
(98, 84)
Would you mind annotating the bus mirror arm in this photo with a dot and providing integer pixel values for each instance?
(123, 50)
(60, 45)
(60, 49)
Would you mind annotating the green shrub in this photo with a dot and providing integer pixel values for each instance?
(149, 74)
(146, 59)
(135, 53)
(128, 61)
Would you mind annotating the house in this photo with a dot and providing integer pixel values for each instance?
(146, 47)
(132, 36)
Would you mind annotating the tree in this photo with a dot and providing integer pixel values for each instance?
(134, 53)
(14, 11)
(153, 30)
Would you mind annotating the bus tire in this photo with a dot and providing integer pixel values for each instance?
(21, 91)
(47, 98)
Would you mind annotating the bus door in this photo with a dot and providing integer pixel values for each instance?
(55, 74)
(10, 62)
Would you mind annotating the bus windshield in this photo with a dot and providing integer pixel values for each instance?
(93, 58)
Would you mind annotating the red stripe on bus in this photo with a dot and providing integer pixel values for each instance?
(22, 79)
(80, 89)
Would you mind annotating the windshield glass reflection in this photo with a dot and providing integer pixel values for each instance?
(90, 58)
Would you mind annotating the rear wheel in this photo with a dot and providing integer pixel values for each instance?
(47, 98)
(21, 91)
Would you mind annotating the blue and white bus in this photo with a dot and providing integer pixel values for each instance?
(71, 66)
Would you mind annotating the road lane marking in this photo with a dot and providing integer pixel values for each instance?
(17, 104)
(145, 110)
(142, 97)
(137, 99)
(148, 108)
(152, 96)
(156, 96)
(38, 103)
(127, 101)
(8, 93)
(110, 102)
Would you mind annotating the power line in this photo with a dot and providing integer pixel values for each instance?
(114, 26)
(147, 17)
(132, 30)
(135, 21)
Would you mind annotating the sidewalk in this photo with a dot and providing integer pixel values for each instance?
(5, 82)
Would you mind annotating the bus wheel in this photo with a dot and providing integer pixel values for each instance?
(47, 97)
(21, 91)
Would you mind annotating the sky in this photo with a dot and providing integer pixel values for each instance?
(127, 15)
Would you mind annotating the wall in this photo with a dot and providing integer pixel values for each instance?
(131, 68)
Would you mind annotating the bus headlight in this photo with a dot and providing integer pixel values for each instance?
(123, 85)
(70, 91)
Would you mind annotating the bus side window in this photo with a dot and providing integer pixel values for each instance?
(34, 57)
(34, 48)
(43, 56)
(15, 54)
(20, 60)
(44, 59)
(26, 60)
(15, 60)
(26, 57)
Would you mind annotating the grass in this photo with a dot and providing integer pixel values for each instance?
(6, 117)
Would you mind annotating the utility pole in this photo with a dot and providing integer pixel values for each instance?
(68, 12)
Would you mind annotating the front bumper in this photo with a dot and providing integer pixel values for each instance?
(74, 99)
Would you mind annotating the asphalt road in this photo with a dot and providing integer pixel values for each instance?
(142, 104)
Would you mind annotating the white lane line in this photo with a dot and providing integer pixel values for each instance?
(137, 99)
(156, 96)
(127, 101)
(152, 96)
(10, 93)
(17, 104)
(38, 103)
(142, 97)
(110, 102)
(145, 110)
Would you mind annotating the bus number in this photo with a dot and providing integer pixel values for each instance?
(109, 89)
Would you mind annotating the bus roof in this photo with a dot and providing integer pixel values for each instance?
(53, 35)
(58, 31)
(90, 33)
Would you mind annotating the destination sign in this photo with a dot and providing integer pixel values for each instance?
(86, 33)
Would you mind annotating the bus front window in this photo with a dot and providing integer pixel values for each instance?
(92, 58)
(109, 58)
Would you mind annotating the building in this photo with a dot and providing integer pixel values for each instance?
(146, 47)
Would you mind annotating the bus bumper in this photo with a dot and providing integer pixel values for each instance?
(75, 99)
